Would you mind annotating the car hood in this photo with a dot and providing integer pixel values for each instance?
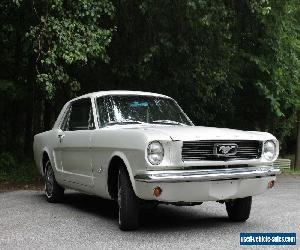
(189, 133)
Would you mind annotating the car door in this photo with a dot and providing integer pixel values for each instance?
(74, 143)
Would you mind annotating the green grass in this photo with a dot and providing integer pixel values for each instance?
(291, 171)
(24, 171)
(292, 157)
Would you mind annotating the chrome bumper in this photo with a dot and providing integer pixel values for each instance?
(206, 175)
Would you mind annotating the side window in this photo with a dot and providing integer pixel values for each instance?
(104, 108)
(81, 116)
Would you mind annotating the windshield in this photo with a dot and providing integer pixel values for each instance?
(130, 109)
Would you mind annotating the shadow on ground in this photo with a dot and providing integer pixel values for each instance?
(163, 217)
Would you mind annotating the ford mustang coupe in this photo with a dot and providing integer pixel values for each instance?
(141, 149)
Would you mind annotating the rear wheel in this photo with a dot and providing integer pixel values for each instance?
(54, 192)
(129, 205)
(239, 209)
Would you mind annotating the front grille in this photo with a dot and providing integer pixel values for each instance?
(204, 150)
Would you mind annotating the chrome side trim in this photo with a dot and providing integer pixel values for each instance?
(206, 175)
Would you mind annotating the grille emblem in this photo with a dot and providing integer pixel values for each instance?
(225, 149)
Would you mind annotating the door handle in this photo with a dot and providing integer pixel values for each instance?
(61, 137)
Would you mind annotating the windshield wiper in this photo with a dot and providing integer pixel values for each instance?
(168, 122)
(123, 122)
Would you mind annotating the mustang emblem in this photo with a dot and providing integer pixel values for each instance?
(225, 149)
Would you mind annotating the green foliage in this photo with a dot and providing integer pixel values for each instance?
(7, 161)
(17, 170)
(275, 66)
(69, 33)
(184, 49)
(228, 63)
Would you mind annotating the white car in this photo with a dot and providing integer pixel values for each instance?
(141, 149)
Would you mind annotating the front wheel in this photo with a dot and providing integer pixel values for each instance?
(129, 205)
(54, 192)
(239, 209)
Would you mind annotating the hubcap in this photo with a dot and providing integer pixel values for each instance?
(49, 180)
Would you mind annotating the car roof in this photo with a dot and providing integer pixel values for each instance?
(118, 92)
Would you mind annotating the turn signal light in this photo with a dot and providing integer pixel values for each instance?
(157, 191)
(271, 184)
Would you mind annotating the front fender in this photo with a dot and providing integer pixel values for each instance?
(124, 158)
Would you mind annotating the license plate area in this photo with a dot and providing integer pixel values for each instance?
(223, 189)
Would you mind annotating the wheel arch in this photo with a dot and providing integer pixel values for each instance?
(45, 157)
(118, 159)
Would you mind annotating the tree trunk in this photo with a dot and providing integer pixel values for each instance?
(30, 123)
(297, 163)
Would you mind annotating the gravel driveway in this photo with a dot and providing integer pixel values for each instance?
(27, 221)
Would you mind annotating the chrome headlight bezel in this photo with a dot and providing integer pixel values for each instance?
(155, 152)
(269, 150)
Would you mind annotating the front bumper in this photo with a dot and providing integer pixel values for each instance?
(206, 175)
(204, 185)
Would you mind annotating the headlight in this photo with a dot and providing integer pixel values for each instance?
(155, 152)
(269, 150)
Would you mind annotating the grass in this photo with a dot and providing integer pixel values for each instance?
(291, 157)
(19, 175)
(290, 171)
(24, 171)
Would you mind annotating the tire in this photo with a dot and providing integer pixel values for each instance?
(129, 205)
(149, 205)
(239, 209)
(54, 192)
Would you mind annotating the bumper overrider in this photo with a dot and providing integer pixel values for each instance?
(205, 184)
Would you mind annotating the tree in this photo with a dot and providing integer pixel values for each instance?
(45, 43)
(297, 162)
(228, 63)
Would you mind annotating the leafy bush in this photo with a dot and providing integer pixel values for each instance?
(7, 162)
(17, 170)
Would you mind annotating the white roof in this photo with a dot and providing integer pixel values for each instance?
(118, 92)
